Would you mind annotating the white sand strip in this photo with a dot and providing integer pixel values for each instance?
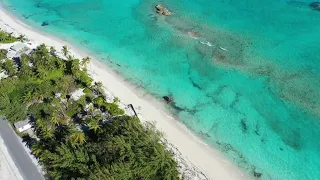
(209, 161)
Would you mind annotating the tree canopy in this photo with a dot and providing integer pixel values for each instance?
(84, 138)
(3, 54)
(6, 37)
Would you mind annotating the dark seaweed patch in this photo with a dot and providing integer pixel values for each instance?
(195, 85)
(203, 134)
(257, 175)
(244, 126)
(257, 129)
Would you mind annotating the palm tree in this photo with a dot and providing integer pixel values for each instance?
(53, 51)
(85, 61)
(64, 120)
(77, 137)
(99, 87)
(41, 53)
(94, 125)
(38, 124)
(64, 84)
(37, 149)
(65, 51)
(41, 72)
(47, 132)
(70, 58)
(10, 36)
(90, 109)
(98, 84)
(27, 97)
(61, 64)
(55, 119)
(22, 37)
(38, 95)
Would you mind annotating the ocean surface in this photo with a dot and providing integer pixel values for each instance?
(244, 74)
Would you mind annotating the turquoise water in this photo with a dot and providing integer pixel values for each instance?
(249, 85)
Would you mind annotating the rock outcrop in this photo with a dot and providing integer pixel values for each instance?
(315, 6)
(162, 10)
(45, 23)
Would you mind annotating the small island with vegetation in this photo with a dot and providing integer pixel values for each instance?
(77, 132)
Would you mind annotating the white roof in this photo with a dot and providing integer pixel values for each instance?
(77, 94)
(18, 47)
(21, 124)
(11, 54)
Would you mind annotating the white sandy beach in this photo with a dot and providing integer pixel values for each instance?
(193, 151)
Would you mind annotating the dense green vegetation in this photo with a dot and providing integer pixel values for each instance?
(79, 138)
(6, 37)
(3, 53)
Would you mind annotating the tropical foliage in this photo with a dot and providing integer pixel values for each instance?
(79, 138)
(3, 54)
(6, 37)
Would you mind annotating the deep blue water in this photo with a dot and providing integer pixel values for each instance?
(249, 85)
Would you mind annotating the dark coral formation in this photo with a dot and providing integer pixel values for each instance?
(45, 23)
(167, 99)
(244, 126)
(315, 6)
(257, 175)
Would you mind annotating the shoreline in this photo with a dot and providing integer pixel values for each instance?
(208, 160)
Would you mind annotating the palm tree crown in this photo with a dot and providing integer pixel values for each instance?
(65, 51)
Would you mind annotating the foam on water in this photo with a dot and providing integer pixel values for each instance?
(245, 75)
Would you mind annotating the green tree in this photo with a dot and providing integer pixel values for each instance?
(47, 132)
(27, 97)
(6, 37)
(9, 67)
(53, 51)
(94, 125)
(37, 149)
(55, 120)
(65, 51)
(74, 142)
(77, 137)
(26, 70)
(3, 54)
(98, 86)
(22, 38)
(85, 61)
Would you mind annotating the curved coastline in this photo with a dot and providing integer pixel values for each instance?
(211, 162)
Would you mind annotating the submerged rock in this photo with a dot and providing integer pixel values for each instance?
(315, 6)
(257, 175)
(244, 125)
(45, 23)
(162, 10)
(167, 99)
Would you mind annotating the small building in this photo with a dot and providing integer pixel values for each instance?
(18, 47)
(11, 54)
(22, 125)
(77, 94)
(17, 50)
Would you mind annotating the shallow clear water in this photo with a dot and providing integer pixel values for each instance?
(249, 85)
